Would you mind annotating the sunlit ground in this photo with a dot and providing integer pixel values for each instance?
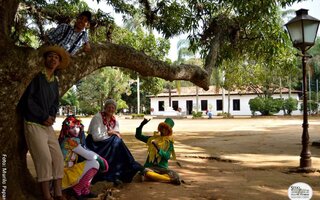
(227, 158)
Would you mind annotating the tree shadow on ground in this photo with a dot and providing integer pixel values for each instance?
(235, 164)
(226, 164)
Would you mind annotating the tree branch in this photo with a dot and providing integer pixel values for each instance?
(8, 11)
(212, 56)
(110, 54)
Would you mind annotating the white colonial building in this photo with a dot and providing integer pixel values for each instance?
(214, 100)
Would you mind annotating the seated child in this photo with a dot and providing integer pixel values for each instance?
(160, 149)
(78, 175)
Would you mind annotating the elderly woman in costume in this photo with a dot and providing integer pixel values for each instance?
(160, 149)
(78, 175)
(105, 139)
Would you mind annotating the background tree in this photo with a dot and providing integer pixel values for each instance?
(69, 101)
(314, 67)
(101, 84)
(290, 105)
(93, 89)
(149, 44)
(131, 99)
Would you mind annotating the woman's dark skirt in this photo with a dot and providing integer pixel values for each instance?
(122, 165)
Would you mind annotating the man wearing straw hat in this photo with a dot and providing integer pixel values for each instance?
(39, 106)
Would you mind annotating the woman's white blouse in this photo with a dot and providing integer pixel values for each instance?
(98, 130)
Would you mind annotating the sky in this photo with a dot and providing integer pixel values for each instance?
(312, 5)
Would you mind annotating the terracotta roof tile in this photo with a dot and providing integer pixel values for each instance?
(213, 91)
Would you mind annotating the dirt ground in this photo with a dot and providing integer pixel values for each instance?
(225, 159)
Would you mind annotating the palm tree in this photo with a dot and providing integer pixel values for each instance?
(132, 24)
(183, 53)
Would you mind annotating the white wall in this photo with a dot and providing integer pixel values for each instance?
(244, 103)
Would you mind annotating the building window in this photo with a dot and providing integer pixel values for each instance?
(175, 105)
(204, 105)
(219, 104)
(161, 105)
(236, 104)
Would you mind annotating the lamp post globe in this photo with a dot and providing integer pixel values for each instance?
(303, 32)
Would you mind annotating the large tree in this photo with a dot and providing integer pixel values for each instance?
(104, 83)
(214, 27)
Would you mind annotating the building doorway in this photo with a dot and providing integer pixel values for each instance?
(189, 107)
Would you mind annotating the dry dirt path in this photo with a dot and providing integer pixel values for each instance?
(227, 159)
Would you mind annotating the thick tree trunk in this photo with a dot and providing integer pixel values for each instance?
(15, 74)
(211, 59)
(8, 11)
(16, 180)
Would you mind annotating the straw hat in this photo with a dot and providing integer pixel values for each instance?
(64, 55)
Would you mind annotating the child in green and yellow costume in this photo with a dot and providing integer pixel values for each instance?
(160, 150)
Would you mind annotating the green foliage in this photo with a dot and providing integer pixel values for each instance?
(312, 107)
(67, 8)
(102, 84)
(89, 108)
(69, 98)
(265, 105)
(249, 28)
(255, 105)
(130, 98)
(174, 15)
(183, 51)
(196, 114)
(152, 85)
(121, 104)
(152, 46)
(290, 105)
(313, 66)
(148, 43)
(137, 116)
(224, 114)
(35, 17)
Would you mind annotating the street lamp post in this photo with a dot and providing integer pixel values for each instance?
(303, 31)
(138, 95)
